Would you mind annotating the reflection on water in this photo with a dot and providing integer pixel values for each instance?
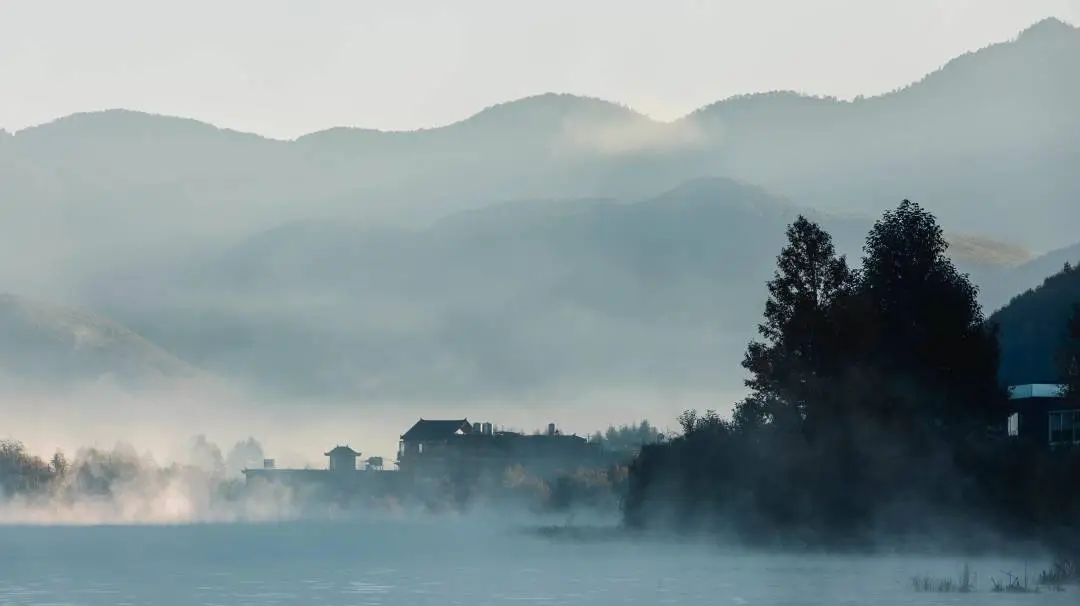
(448, 562)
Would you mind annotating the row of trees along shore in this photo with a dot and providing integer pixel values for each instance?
(874, 411)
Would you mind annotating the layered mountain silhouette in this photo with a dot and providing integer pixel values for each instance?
(276, 260)
(523, 296)
(515, 297)
(989, 142)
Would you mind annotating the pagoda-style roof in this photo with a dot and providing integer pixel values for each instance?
(427, 430)
(341, 450)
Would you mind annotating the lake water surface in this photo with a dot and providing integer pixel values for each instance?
(449, 561)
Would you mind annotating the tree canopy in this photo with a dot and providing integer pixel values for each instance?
(788, 367)
(929, 345)
(1033, 330)
(868, 388)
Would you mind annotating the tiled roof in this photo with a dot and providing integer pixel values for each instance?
(341, 450)
(428, 430)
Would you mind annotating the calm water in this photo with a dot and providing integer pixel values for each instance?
(445, 562)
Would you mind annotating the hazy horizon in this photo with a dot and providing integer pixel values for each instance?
(606, 302)
(298, 69)
(563, 259)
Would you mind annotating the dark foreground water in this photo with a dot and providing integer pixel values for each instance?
(452, 561)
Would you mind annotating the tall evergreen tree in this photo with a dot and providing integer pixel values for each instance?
(890, 374)
(787, 366)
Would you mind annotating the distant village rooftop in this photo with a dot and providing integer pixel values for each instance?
(426, 430)
(342, 458)
(341, 450)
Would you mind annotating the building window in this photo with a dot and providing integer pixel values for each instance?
(1014, 424)
(1064, 426)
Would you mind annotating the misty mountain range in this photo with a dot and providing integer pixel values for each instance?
(550, 242)
(44, 342)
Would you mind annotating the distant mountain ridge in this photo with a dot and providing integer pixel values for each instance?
(513, 298)
(1033, 329)
(516, 298)
(521, 297)
(1049, 31)
(1005, 283)
(59, 345)
(550, 241)
(988, 142)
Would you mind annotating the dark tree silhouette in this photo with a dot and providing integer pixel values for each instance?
(1033, 328)
(629, 437)
(787, 367)
(20, 471)
(873, 405)
(931, 348)
(1071, 357)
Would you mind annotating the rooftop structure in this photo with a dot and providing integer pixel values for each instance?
(426, 430)
(450, 447)
(342, 458)
(341, 479)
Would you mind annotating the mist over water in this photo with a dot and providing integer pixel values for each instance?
(125, 529)
(121, 486)
(481, 559)
(174, 453)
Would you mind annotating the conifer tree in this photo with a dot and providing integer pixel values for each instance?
(787, 366)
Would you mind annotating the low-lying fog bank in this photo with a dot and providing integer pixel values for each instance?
(474, 559)
(124, 528)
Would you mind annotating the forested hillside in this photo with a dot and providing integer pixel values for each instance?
(1034, 329)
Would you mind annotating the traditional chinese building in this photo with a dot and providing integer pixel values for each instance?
(342, 458)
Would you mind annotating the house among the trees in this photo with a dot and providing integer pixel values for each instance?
(438, 447)
(1040, 413)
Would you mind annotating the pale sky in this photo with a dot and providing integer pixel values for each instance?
(283, 68)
